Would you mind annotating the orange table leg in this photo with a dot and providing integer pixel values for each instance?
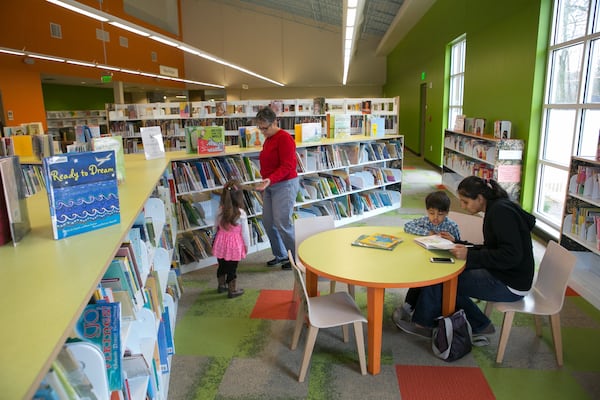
(312, 283)
(374, 328)
(449, 296)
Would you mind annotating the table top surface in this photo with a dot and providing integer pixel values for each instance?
(331, 254)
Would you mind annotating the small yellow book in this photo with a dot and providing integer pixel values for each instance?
(377, 241)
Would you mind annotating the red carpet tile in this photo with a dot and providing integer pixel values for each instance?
(275, 304)
(441, 187)
(571, 292)
(408, 167)
(448, 383)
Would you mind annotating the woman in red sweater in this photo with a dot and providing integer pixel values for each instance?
(280, 186)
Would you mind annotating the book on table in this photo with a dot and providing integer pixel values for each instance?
(14, 215)
(435, 242)
(381, 241)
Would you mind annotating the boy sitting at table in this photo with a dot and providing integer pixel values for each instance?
(436, 222)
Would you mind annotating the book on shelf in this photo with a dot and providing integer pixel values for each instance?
(152, 140)
(479, 126)
(381, 241)
(459, 123)
(13, 211)
(205, 139)
(82, 190)
(100, 325)
(307, 132)
(338, 126)
(434, 242)
(502, 129)
(375, 126)
(114, 143)
(250, 136)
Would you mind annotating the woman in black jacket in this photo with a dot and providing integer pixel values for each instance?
(501, 269)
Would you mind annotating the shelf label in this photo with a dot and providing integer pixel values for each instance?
(510, 154)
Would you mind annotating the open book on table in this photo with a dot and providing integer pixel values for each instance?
(434, 242)
(377, 241)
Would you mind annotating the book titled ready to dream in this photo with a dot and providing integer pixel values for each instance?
(82, 192)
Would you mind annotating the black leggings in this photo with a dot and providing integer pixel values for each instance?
(412, 296)
(228, 268)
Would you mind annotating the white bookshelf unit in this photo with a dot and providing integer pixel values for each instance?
(351, 179)
(467, 154)
(579, 228)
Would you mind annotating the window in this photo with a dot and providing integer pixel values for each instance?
(456, 79)
(571, 115)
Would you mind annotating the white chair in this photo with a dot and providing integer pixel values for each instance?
(545, 298)
(306, 227)
(470, 226)
(328, 311)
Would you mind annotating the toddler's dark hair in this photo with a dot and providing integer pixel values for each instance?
(438, 200)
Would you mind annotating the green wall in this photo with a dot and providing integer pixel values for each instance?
(504, 72)
(67, 97)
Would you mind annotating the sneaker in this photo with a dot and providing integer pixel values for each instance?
(286, 266)
(488, 330)
(274, 262)
(414, 329)
(401, 314)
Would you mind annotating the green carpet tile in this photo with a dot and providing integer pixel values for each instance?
(224, 353)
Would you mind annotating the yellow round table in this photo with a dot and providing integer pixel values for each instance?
(330, 254)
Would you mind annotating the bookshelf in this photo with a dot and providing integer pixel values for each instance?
(579, 230)
(70, 119)
(351, 179)
(47, 283)
(467, 154)
(127, 119)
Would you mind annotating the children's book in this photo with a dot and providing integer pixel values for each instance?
(14, 207)
(82, 192)
(100, 324)
(435, 242)
(114, 143)
(377, 241)
(205, 139)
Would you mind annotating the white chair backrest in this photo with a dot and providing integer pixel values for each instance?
(554, 272)
(299, 276)
(470, 226)
(305, 227)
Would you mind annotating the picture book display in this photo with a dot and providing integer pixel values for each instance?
(205, 139)
(377, 241)
(114, 143)
(435, 242)
(13, 210)
(82, 190)
(152, 140)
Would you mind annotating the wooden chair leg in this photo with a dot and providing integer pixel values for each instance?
(506, 326)
(360, 346)
(557, 338)
(538, 325)
(489, 307)
(310, 344)
(345, 333)
(298, 326)
(352, 291)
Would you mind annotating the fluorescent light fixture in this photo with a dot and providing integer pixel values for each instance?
(352, 3)
(189, 50)
(351, 17)
(164, 41)
(181, 96)
(47, 58)
(107, 67)
(149, 74)
(82, 63)
(130, 71)
(81, 9)
(129, 28)
(11, 52)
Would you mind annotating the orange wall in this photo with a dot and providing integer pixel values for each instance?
(26, 25)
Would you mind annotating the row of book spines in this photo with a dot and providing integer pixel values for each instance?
(352, 205)
(209, 174)
(196, 245)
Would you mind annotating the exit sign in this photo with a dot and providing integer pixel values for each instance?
(106, 78)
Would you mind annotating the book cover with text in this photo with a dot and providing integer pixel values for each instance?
(83, 193)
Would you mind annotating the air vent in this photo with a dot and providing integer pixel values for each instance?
(102, 35)
(123, 41)
(154, 56)
(55, 31)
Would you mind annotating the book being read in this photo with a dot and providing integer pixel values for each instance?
(377, 241)
(435, 242)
